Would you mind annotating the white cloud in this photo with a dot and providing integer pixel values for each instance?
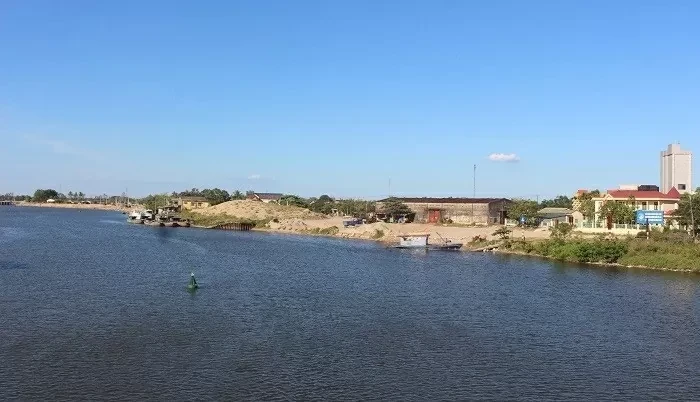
(501, 157)
(254, 176)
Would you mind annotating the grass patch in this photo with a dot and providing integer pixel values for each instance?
(329, 231)
(673, 253)
(378, 234)
(219, 219)
(333, 230)
(663, 254)
(578, 250)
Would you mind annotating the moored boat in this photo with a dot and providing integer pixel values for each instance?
(420, 241)
(135, 217)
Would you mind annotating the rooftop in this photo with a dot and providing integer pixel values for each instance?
(673, 194)
(553, 212)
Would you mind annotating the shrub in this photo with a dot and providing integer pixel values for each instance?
(561, 231)
(329, 231)
(378, 234)
(477, 240)
(503, 232)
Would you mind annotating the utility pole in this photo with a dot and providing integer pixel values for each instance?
(473, 192)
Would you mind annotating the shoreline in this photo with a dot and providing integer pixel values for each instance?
(96, 207)
(465, 249)
(593, 264)
(383, 233)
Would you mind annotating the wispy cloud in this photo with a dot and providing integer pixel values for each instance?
(254, 176)
(63, 148)
(501, 157)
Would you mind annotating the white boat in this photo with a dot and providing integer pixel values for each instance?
(420, 240)
(135, 217)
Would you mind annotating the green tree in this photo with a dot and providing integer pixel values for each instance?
(561, 231)
(561, 201)
(194, 192)
(620, 212)
(237, 195)
(43, 195)
(81, 195)
(323, 204)
(394, 206)
(503, 232)
(523, 208)
(155, 201)
(216, 195)
(357, 208)
(586, 203)
(688, 211)
(295, 200)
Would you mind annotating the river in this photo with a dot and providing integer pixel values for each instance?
(94, 308)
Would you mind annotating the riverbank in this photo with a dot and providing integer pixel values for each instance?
(99, 207)
(661, 253)
(278, 220)
(658, 254)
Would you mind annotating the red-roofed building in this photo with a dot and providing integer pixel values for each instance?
(649, 200)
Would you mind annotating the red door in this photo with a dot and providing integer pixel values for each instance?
(433, 215)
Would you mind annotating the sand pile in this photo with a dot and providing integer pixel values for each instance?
(294, 225)
(247, 209)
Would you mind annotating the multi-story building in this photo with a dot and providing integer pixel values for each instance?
(646, 198)
(676, 169)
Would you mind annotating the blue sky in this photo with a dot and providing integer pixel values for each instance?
(313, 97)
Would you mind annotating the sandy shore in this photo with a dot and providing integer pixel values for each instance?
(388, 232)
(101, 207)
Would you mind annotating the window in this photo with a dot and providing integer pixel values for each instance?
(656, 205)
(644, 205)
(681, 186)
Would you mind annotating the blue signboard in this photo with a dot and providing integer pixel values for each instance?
(643, 216)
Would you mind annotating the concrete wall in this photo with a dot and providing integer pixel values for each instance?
(464, 213)
(188, 205)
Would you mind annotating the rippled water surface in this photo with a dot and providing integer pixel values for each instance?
(93, 308)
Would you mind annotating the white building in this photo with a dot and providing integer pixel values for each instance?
(676, 169)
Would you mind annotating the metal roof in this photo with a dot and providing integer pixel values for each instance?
(673, 194)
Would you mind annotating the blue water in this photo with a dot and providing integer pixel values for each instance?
(94, 308)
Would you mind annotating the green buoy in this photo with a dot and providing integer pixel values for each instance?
(192, 284)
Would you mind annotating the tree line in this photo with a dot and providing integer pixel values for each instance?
(42, 195)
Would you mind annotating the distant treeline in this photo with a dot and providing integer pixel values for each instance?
(42, 195)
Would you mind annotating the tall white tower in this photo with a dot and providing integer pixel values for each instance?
(676, 169)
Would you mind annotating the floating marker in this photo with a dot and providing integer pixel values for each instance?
(192, 284)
